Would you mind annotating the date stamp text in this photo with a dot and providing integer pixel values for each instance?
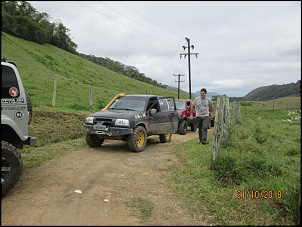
(259, 194)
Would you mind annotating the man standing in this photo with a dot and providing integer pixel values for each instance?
(203, 106)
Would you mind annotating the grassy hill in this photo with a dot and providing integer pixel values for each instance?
(274, 91)
(40, 65)
(286, 103)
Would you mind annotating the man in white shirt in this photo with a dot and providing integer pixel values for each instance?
(203, 106)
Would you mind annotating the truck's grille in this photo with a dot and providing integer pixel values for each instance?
(104, 121)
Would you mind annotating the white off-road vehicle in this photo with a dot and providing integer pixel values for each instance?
(16, 115)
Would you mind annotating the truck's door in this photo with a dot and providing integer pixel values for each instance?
(166, 118)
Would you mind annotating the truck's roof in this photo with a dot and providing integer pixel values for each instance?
(144, 95)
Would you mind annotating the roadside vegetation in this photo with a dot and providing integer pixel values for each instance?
(257, 178)
(263, 153)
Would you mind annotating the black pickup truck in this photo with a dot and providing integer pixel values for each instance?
(133, 118)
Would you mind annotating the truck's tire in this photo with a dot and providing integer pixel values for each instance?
(11, 166)
(182, 127)
(93, 140)
(165, 137)
(138, 139)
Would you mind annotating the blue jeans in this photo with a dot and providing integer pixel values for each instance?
(203, 124)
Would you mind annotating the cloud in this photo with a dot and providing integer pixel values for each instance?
(241, 45)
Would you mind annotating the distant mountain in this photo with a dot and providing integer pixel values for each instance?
(176, 89)
(263, 93)
(209, 94)
(197, 93)
(271, 92)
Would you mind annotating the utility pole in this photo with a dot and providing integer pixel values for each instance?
(179, 75)
(189, 63)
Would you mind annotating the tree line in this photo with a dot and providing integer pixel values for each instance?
(22, 20)
(120, 68)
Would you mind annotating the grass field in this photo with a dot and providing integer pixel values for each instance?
(257, 177)
(286, 103)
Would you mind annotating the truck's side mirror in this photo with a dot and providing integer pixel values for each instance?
(153, 111)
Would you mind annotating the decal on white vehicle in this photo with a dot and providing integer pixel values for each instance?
(13, 108)
(19, 114)
(8, 101)
(13, 92)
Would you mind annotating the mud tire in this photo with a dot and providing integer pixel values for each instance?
(164, 138)
(93, 140)
(12, 161)
(182, 127)
(138, 139)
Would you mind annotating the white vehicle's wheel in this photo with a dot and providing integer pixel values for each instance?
(11, 166)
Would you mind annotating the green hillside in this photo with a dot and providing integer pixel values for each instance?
(274, 91)
(286, 103)
(40, 65)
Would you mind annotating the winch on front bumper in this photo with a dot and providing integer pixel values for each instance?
(107, 132)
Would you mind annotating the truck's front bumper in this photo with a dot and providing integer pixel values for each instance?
(110, 131)
(31, 141)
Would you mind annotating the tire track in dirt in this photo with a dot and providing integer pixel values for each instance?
(108, 177)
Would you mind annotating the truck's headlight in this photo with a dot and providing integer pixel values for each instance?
(89, 120)
(122, 122)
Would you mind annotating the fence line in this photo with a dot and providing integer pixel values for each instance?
(223, 114)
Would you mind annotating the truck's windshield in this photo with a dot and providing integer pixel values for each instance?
(180, 105)
(128, 104)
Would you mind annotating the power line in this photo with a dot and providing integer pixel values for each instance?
(152, 21)
(125, 25)
(138, 23)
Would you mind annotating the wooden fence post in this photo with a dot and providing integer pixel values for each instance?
(223, 115)
(238, 110)
(221, 125)
(217, 130)
(54, 93)
(225, 132)
(234, 113)
(90, 98)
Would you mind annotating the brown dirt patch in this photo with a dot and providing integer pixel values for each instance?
(108, 177)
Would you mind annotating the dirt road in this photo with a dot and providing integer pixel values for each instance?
(108, 177)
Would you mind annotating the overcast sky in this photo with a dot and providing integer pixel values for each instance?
(240, 45)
